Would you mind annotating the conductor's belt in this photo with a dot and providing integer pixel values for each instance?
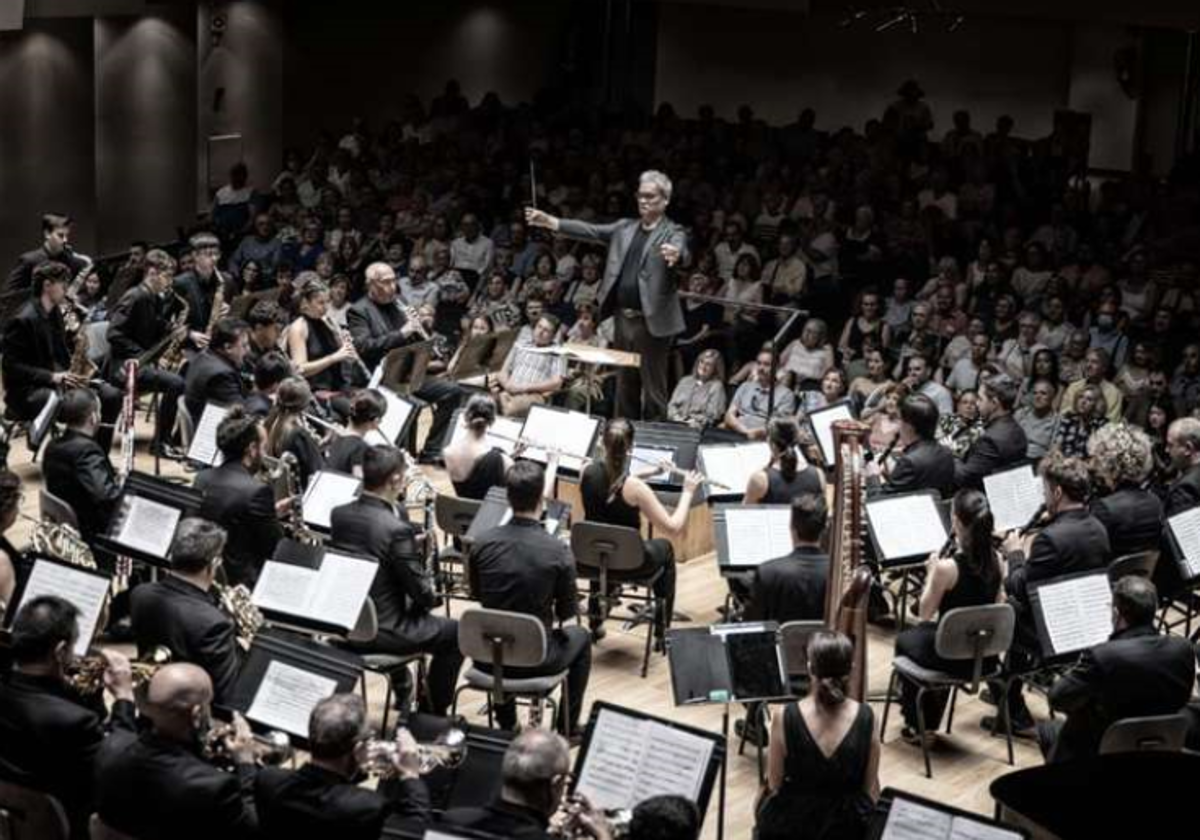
(633, 313)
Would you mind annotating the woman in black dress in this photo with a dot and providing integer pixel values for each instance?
(823, 762)
(319, 352)
(473, 464)
(287, 430)
(782, 480)
(346, 451)
(969, 578)
(614, 496)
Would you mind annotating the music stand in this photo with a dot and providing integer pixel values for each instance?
(39, 428)
(682, 440)
(482, 355)
(731, 464)
(202, 449)
(313, 589)
(759, 533)
(895, 807)
(343, 489)
(907, 527)
(1084, 600)
(724, 664)
(85, 589)
(149, 511)
(404, 367)
(1184, 530)
(821, 422)
(495, 511)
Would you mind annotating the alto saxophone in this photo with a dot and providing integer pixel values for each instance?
(173, 357)
(81, 365)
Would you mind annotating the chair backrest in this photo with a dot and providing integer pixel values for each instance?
(1141, 564)
(454, 515)
(793, 638)
(522, 637)
(56, 510)
(27, 814)
(615, 547)
(185, 423)
(1162, 733)
(981, 631)
(367, 627)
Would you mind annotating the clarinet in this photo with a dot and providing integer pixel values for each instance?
(1033, 520)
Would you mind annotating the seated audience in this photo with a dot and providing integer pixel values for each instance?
(1095, 374)
(1038, 420)
(699, 399)
(747, 412)
(1076, 428)
(531, 378)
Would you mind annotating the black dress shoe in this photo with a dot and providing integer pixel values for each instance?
(1022, 727)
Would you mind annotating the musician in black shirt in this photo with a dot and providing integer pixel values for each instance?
(519, 567)
(55, 248)
(1121, 458)
(77, 468)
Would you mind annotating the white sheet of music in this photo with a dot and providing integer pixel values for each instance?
(86, 592)
(46, 416)
(644, 458)
(376, 376)
(908, 820)
(397, 414)
(907, 526)
(1077, 612)
(822, 423)
(733, 465)
(283, 587)
(326, 491)
(203, 449)
(1014, 497)
(149, 526)
(340, 589)
(1186, 529)
(286, 697)
(631, 759)
(570, 432)
(758, 534)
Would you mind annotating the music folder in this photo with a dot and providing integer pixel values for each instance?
(44, 422)
(398, 418)
(900, 815)
(328, 490)
(1014, 497)
(284, 676)
(572, 433)
(749, 535)
(203, 447)
(821, 420)
(315, 589)
(148, 515)
(403, 368)
(1072, 612)
(628, 756)
(726, 663)
(85, 589)
(905, 529)
(1184, 528)
(495, 511)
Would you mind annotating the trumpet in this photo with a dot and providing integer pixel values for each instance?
(86, 675)
(381, 757)
(270, 750)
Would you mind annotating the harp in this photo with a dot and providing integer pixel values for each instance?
(849, 584)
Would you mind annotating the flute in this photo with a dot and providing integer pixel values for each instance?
(671, 468)
(325, 424)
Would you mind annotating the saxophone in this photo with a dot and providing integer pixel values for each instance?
(237, 603)
(290, 467)
(172, 358)
(849, 584)
(218, 303)
(81, 365)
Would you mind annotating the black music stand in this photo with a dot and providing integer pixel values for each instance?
(298, 617)
(891, 799)
(404, 367)
(1088, 583)
(736, 558)
(86, 589)
(327, 481)
(482, 355)
(682, 440)
(495, 511)
(159, 493)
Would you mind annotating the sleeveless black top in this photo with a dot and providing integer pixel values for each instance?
(595, 487)
(971, 590)
(346, 453)
(322, 342)
(780, 491)
(486, 473)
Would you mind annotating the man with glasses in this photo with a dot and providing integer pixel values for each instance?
(638, 289)
(747, 414)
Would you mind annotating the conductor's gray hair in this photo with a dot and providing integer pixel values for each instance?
(659, 180)
(532, 761)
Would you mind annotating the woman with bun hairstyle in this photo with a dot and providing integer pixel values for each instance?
(346, 451)
(473, 464)
(782, 480)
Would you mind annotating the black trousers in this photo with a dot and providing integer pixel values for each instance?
(659, 554)
(445, 664)
(27, 407)
(567, 649)
(651, 380)
(153, 380)
(444, 397)
(919, 644)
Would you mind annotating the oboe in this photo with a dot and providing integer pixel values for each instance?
(1033, 520)
(348, 341)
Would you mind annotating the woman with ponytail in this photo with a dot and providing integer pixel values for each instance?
(823, 762)
(473, 464)
(970, 577)
(346, 452)
(615, 495)
(783, 480)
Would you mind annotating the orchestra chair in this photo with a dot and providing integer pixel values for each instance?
(503, 639)
(1163, 733)
(453, 517)
(601, 550)
(1141, 564)
(100, 830)
(965, 634)
(387, 665)
(55, 510)
(27, 814)
(793, 639)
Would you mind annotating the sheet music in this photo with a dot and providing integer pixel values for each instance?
(326, 491)
(286, 697)
(203, 449)
(733, 465)
(1186, 529)
(341, 588)
(570, 432)
(397, 414)
(908, 820)
(283, 587)
(376, 376)
(1077, 612)
(86, 592)
(631, 759)
(822, 423)
(41, 423)
(758, 534)
(149, 526)
(907, 526)
(1014, 497)
(643, 458)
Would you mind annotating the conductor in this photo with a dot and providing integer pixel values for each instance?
(637, 290)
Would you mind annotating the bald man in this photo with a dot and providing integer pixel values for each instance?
(157, 786)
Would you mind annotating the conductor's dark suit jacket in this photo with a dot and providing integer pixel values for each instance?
(49, 738)
(245, 507)
(1137, 673)
(313, 803)
(154, 789)
(78, 471)
(402, 591)
(1001, 446)
(186, 620)
(212, 378)
(659, 294)
(924, 465)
